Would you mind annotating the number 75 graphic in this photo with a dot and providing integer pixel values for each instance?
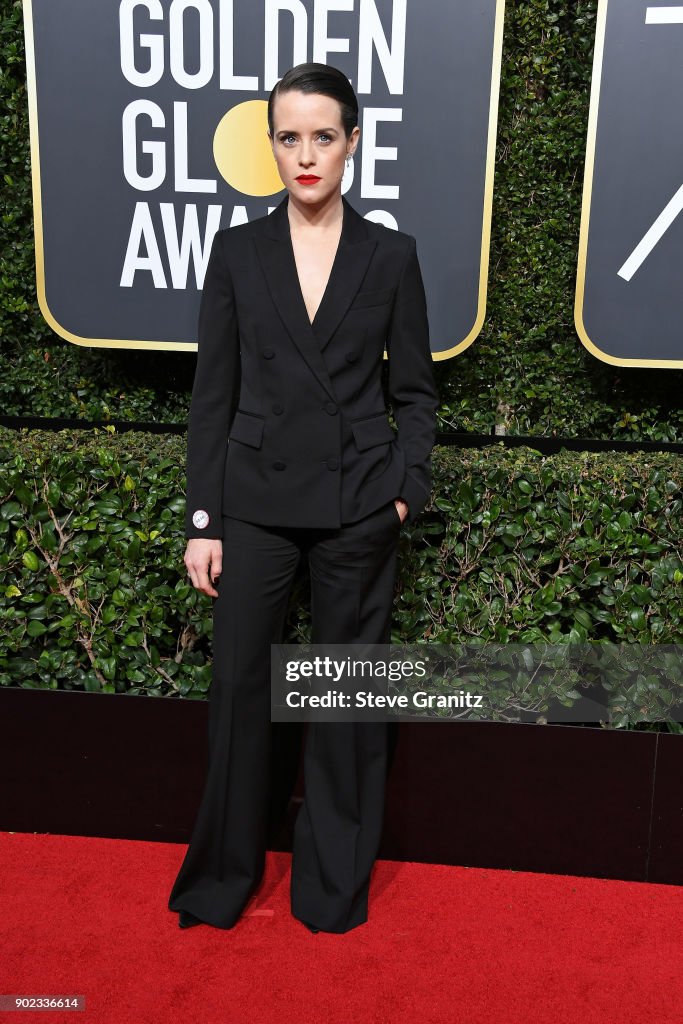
(628, 290)
(656, 16)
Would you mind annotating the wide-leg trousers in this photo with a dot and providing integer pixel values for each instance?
(338, 827)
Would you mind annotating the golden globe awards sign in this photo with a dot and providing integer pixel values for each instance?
(148, 134)
(628, 289)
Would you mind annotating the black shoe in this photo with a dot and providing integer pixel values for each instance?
(187, 920)
(311, 927)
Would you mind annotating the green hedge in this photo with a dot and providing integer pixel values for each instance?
(527, 371)
(515, 547)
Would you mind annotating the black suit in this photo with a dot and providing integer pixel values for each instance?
(309, 439)
(312, 468)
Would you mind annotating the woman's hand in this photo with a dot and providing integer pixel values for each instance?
(204, 556)
(401, 508)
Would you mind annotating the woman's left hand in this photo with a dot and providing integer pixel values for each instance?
(401, 508)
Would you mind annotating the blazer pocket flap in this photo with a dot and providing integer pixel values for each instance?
(372, 298)
(247, 427)
(371, 431)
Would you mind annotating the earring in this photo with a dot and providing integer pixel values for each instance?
(348, 158)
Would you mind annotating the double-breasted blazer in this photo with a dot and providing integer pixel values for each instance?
(288, 424)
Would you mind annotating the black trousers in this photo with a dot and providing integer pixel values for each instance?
(338, 827)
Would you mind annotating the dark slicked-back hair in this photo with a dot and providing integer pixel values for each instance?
(320, 78)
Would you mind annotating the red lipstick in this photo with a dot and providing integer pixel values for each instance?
(307, 179)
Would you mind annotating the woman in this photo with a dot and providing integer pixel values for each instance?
(290, 454)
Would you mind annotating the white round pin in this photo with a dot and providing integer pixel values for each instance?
(200, 519)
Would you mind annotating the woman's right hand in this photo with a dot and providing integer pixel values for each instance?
(204, 558)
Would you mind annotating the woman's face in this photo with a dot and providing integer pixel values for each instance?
(309, 145)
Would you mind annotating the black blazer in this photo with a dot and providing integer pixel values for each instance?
(287, 423)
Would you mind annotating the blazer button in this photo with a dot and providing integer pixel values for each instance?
(277, 408)
(267, 353)
(351, 357)
(332, 463)
(331, 407)
(279, 465)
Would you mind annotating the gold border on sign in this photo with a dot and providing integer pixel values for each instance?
(192, 345)
(497, 60)
(589, 169)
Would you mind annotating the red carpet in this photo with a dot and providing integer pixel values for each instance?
(443, 944)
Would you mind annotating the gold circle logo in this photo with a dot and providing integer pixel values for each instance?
(242, 151)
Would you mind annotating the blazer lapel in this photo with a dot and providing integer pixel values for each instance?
(276, 255)
(348, 270)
